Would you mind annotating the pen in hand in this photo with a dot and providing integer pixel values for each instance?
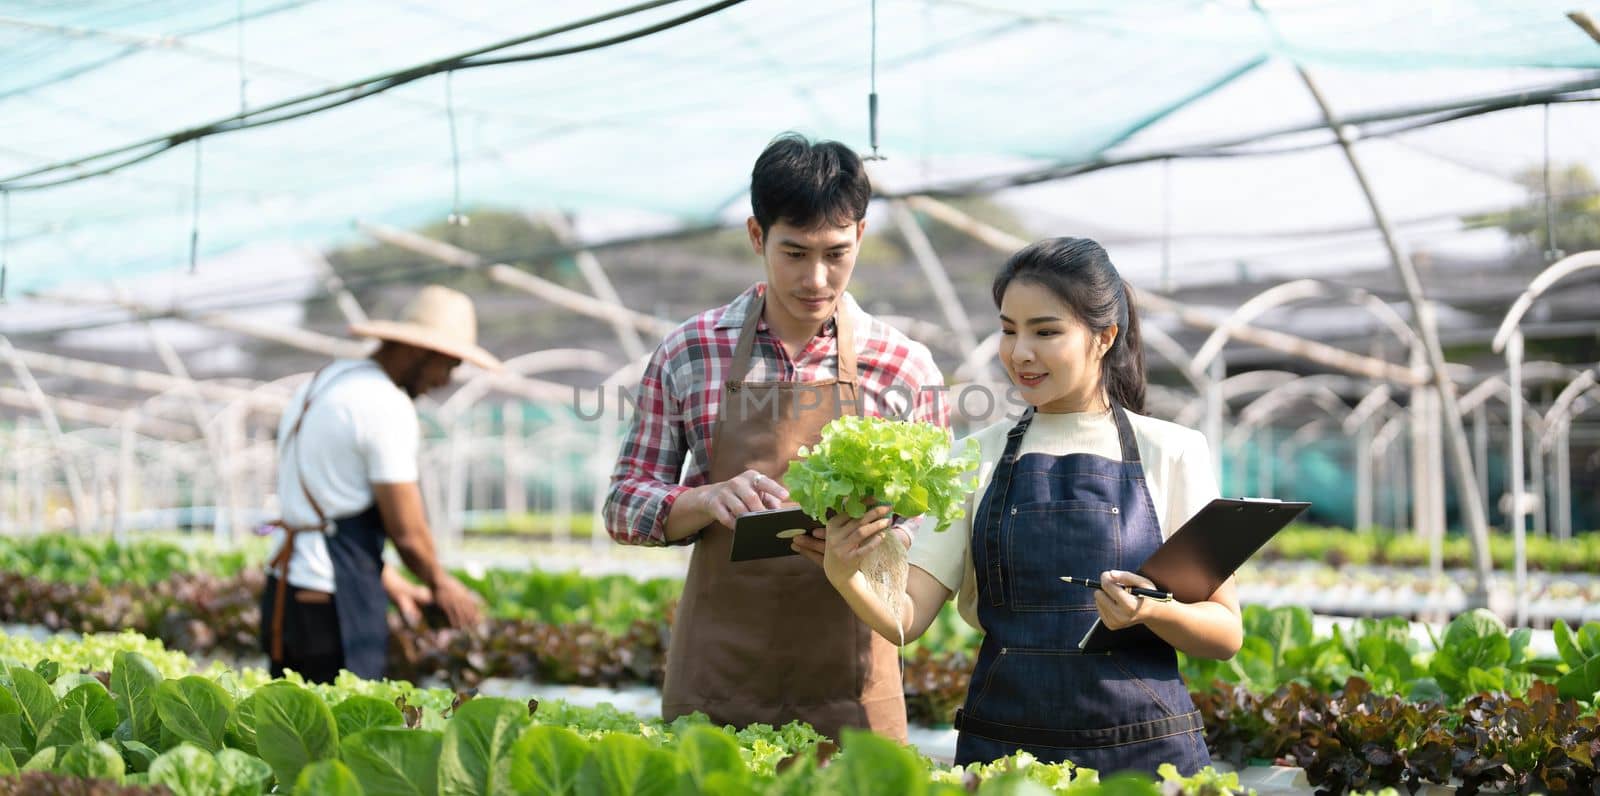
(1159, 596)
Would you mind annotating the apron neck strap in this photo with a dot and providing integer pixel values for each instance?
(843, 329)
(1130, 446)
(1119, 416)
(299, 461)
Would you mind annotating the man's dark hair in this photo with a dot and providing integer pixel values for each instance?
(807, 183)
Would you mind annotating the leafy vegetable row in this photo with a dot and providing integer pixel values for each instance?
(238, 733)
(1338, 547)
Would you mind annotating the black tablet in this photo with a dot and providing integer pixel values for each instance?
(768, 534)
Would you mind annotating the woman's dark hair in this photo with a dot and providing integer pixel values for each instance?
(805, 184)
(1079, 272)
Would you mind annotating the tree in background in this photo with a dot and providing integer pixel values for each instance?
(1576, 197)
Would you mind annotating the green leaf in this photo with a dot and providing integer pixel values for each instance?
(48, 670)
(327, 778)
(12, 736)
(241, 729)
(730, 783)
(1581, 683)
(546, 761)
(704, 750)
(240, 774)
(358, 713)
(293, 729)
(1491, 681)
(195, 709)
(476, 754)
(134, 681)
(626, 765)
(394, 760)
(42, 760)
(85, 715)
(66, 682)
(1520, 640)
(97, 760)
(8, 764)
(138, 755)
(1426, 689)
(1013, 783)
(187, 770)
(35, 699)
(871, 764)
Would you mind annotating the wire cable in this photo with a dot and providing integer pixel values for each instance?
(360, 89)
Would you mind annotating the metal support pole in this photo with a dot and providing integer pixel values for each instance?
(599, 284)
(1517, 517)
(1364, 475)
(1264, 462)
(125, 474)
(1480, 447)
(1538, 488)
(1215, 405)
(1472, 511)
(52, 427)
(516, 491)
(938, 278)
(1563, 456)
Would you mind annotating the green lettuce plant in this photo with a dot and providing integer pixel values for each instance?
(861, 461)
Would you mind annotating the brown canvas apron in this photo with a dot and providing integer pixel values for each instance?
(771, 641)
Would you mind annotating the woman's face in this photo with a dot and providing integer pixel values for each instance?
(1048, 352)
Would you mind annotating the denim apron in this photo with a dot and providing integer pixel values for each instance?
(355, 547)
(1033, 689)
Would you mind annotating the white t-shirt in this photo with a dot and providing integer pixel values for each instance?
(361, 429)
(1177, 467)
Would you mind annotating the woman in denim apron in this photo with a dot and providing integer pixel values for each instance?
(1070, 345)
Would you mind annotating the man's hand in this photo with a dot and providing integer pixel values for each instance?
(1120, 608)
(746, 492)
(460, 604)
(408, 597)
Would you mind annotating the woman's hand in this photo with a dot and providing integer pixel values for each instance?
(1120, 608)
(844, 543)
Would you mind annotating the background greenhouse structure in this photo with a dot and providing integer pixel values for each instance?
(1364, 236)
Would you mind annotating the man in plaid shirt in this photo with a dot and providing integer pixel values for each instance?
(809, 202)
(680, 393)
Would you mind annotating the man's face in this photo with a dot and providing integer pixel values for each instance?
(432, 371)
(807, 269)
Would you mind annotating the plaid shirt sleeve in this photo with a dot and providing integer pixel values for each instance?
(644, 484)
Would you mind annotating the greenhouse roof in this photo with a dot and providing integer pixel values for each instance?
(662, 126)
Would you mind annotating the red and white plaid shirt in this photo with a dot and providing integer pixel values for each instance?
(681, 392)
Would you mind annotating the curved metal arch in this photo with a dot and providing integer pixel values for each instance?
(1381, 397)
(543, 361)
(1561, 409)
(1247, 383)
(1580, 396)
(1288, 293)
(1496, 385)
(1547, 278)
(1262, 409)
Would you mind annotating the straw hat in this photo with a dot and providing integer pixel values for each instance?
(438, 319)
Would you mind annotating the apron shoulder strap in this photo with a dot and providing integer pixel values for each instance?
(843, 328)
(740, 366)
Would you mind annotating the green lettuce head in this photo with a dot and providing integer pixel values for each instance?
(864, 460)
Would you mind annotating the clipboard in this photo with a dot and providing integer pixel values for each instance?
(1197, 558)
(767, 534)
